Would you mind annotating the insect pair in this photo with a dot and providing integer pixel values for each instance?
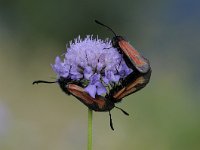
(132, 83)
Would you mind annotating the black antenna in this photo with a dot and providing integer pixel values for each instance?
(111, 123)
(122, 110)
(41, 81)
(106, 27)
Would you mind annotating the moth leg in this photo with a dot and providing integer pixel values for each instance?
(111, 123)
(122, 110)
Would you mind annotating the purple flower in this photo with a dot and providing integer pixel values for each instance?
(94, 62)
(95, 86)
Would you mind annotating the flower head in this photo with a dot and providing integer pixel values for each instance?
(94, 62)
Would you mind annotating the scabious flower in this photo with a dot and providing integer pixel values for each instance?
(93, 62)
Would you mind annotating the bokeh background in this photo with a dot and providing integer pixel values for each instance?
(163, 116)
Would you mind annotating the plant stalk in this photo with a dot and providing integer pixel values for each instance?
(89, 129)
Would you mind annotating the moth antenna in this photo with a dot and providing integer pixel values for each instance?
(122, 110)
(111, 123)
(41, 81)
(105, 26)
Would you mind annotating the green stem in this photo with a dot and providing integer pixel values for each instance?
(89, 129)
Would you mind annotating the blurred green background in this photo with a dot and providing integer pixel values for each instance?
(163, 116)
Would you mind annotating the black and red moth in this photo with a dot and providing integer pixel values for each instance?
(141, 66)
(132, 83)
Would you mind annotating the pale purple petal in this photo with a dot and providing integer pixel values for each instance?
(75, 74)
(100, 88)
(61, 69)
(91, 90)
(112, 77)
(95, 78)
(105, 80)
(124, 70)
(88, 72)
(100, 66)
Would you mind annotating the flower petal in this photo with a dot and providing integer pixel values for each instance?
(100, 88)
(94, 78)
(88, 72)
(60, 68)
(91, 90)
(105, 80)
(112, 77)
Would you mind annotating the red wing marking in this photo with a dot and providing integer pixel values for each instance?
(116, 95)
(130, 88)
(140, 63)
(79, 92)
(139, 80)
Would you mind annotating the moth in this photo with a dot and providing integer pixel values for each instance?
(99, 103)
(141, 74)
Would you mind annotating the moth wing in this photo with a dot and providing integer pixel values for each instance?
(141, 64)
(129, 87)
(98, 103)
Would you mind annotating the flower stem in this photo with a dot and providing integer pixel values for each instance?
(89, 129)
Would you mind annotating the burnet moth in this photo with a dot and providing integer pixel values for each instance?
(99, 103)
(140, 65)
